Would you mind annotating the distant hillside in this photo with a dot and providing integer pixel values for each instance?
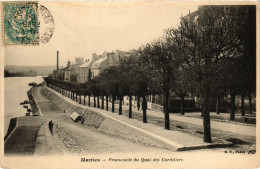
(41, 70)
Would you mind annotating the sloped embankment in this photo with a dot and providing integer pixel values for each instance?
(35, 109)
(22, 136)
(104, 123)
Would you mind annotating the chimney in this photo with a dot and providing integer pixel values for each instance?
(94, 57)
(110, 57)
(57, 60)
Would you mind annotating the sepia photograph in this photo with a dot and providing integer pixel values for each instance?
(129, 84)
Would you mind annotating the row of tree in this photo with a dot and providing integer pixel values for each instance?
(19, 74)
(211, 53)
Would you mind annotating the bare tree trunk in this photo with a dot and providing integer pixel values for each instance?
(84, 99)
(94, 101)
(202, 108)
(166, 110)
(243, 105)
(89, 100)
(130, 106)
(102, 103)
(98, 105)
(138, 103)
(79, 98)
(76, 97)
(250, 104)
(144, 106)
(218, 104)
(233, 107)
(182, 105)
(206, 111)
(113, 103)
(120, 105)
(106, 102)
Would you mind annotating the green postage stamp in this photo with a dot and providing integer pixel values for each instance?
(20, 23)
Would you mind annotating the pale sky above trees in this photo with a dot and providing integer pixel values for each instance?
(83, 28)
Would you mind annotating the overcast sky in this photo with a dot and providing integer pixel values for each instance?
(83, 28)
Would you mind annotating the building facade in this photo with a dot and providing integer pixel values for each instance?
(107, 60)
(59, 74)
(85, 69)
(67, 74)
(98, 66)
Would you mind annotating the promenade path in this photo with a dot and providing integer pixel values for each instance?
(229, 127)
(81, 139)
(219, 129)
(175, 138)
(219, 125)
(222, 130)
(78, 139)
(185, 131)
(69, 138)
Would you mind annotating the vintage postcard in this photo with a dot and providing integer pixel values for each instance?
(129, 84)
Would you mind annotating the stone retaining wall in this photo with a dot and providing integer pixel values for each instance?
(103, 122)
(35, 109)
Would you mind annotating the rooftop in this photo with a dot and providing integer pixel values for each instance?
(98, 62)
(86, 64)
